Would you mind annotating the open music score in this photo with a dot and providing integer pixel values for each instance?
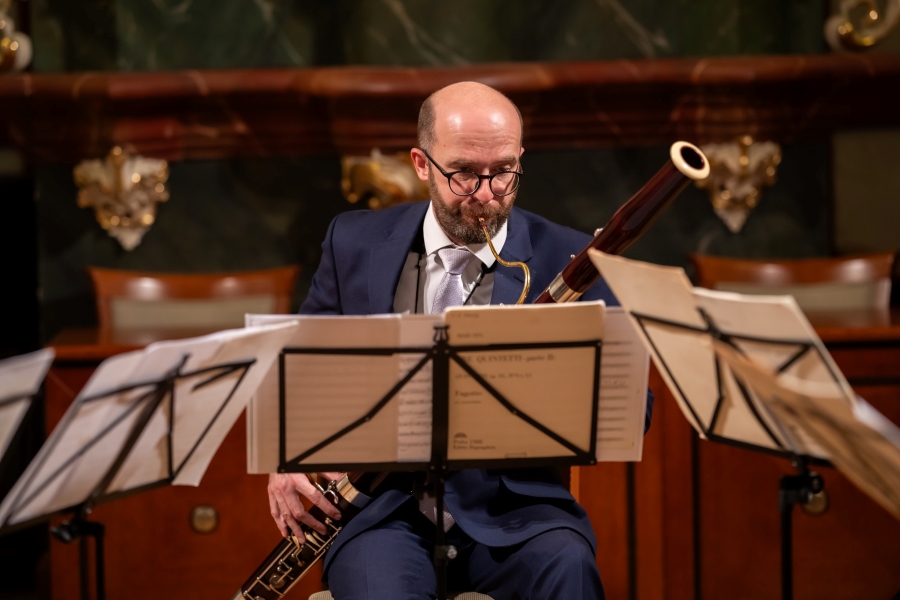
(750, 371)
(145, 418)
(860, 441)
(539, 358)
(20, 381)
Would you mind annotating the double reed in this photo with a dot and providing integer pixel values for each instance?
(291, 559)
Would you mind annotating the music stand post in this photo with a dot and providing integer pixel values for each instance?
(79, 527)
(440, 355)
(793, 489)
(437, 470)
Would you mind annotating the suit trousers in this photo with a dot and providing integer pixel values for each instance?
(393, 561)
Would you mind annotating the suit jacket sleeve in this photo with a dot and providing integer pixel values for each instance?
(324, 296)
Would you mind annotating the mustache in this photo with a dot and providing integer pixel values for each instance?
(479, 210)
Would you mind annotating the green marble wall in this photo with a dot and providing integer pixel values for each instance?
(251, 214)
(223, 215)
(247, 214)
(212, 34)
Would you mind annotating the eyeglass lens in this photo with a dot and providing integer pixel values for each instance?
(502, 184)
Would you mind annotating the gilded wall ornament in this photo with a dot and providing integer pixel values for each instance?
(123, 189)
(15, 46)
(381, 180)
(738, 171)
(859, 24)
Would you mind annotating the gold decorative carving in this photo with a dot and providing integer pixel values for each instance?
(871, 26)
(738, 171)
(381, 180)
(123, 189)
(15, 46)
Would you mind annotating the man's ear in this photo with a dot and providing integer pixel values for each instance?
(420, 162)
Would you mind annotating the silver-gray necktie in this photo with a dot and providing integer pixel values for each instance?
(450, 290)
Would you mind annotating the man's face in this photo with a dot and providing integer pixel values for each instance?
(483, 143)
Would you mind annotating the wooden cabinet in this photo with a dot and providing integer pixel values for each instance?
(700, 520)
(151, 549)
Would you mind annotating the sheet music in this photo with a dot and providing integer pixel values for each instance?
(622, 408)
(84, 446)
(325, 393)
(860, 441)
(67, 468)
(414, 400)
(20, 381)
(669, 317)
(480, 427)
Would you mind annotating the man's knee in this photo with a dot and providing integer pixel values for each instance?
(568, 566)
(380, 564)
(565, 549)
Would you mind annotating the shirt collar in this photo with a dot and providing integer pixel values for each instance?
(435, 239)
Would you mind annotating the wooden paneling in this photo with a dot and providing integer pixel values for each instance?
(603, 491)
(351, 110)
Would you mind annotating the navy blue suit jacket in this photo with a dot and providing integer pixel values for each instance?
(362, 258)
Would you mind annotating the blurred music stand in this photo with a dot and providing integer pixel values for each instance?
(440, 356)
(20, 385)
(151, 396)
(792, 489)
(145, 419)
(671, 338)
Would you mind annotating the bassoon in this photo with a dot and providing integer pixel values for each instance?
(293, 557)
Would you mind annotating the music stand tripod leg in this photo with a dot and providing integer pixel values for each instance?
(793, 489)
(79, 528)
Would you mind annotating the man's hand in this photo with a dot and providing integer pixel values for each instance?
(285, 490)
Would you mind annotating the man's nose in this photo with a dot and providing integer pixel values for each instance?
(484, 194)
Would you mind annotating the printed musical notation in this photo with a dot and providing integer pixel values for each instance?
(552, 385)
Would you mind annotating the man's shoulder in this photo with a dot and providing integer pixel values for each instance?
(375, 223)
(542, 229)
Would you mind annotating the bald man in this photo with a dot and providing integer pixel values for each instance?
(520, 533)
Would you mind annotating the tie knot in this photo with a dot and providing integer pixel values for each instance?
(455, 259)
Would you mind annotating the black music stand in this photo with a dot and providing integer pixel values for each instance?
(440, 356)
(21, 378)
(148, 397)
(8, 464)
(793, 489)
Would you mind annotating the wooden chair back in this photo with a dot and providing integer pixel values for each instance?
(131, 299)
(851, 282)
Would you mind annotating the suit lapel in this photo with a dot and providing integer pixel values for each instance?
(508, 281)
(386, 259)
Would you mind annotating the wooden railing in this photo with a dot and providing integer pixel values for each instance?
(350, 110)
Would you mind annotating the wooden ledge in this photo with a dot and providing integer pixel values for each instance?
(350, 110)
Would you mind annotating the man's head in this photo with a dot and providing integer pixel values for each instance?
(468, 126)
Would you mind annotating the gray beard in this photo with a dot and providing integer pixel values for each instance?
(463, 224)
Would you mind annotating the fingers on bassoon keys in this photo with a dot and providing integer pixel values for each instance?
(319, 499)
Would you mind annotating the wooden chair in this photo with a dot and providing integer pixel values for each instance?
(140, 300)
(818, 284)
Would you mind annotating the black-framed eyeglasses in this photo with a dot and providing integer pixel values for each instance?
(466, 183)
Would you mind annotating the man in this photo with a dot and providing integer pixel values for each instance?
(520, 534)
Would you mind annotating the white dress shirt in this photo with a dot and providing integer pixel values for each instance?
(424, 284)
